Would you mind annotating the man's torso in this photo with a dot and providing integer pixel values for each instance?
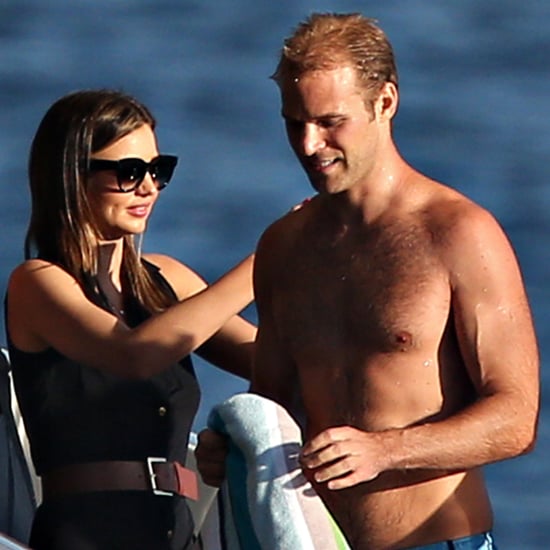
(365, 314)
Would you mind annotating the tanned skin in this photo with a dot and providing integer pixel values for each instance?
(395, 306)
(393, 319)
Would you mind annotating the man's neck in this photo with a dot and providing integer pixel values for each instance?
(367, 201)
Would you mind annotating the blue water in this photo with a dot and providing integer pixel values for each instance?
(474, 113)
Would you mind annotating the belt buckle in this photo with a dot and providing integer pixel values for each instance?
(151, 460)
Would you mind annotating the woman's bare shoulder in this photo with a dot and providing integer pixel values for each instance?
(37, 272)
(184, 280)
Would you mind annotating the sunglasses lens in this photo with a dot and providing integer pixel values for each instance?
(130, 173)
(162, 169)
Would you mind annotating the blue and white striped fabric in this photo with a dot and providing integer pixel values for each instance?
(267, 503)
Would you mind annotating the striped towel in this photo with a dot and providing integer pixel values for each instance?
(266, 502)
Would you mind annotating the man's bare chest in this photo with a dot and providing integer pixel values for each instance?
(377, 291)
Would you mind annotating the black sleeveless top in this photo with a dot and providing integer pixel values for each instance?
(74, 413)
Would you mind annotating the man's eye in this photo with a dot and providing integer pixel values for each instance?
(329, 123)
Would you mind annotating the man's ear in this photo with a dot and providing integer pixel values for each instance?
(387, 102)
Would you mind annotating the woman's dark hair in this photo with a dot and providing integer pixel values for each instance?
(61, 228)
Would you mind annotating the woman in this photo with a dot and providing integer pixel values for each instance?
(100, 337)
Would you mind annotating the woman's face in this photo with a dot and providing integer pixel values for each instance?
(116, 213)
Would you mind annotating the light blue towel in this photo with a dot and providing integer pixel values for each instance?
(267, 503)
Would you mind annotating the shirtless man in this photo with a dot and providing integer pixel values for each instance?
(394, 305)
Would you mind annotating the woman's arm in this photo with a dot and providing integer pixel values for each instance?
(47, 308)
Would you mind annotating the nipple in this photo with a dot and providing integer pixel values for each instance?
(404, 340)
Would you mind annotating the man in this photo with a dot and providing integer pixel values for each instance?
(391, 308)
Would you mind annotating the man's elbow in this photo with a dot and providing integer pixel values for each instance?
(531, 439)
(527, 434)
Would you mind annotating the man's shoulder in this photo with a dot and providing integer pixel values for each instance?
(278, 241)
(459, 224)
(286, 226)
(462, 213)
(448, 210)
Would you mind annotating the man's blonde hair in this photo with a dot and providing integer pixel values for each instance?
(328, 40)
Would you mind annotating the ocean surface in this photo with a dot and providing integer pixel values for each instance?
(474, 113)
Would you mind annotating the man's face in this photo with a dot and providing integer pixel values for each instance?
(330, 127)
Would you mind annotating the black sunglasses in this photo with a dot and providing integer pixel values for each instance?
(130, 172)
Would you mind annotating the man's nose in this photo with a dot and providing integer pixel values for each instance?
(313, 139)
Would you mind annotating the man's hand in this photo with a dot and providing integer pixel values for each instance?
(342, 457)
(210, 454)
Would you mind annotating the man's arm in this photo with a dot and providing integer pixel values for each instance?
(274, 374)
(498, 347)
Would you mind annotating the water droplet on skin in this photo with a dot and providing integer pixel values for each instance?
(427, 363)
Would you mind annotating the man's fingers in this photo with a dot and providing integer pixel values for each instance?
(320, 458)
(333, 470)
(325, 439)
(210, 455)
(212, 478)
(328, 446)
(209, 441)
